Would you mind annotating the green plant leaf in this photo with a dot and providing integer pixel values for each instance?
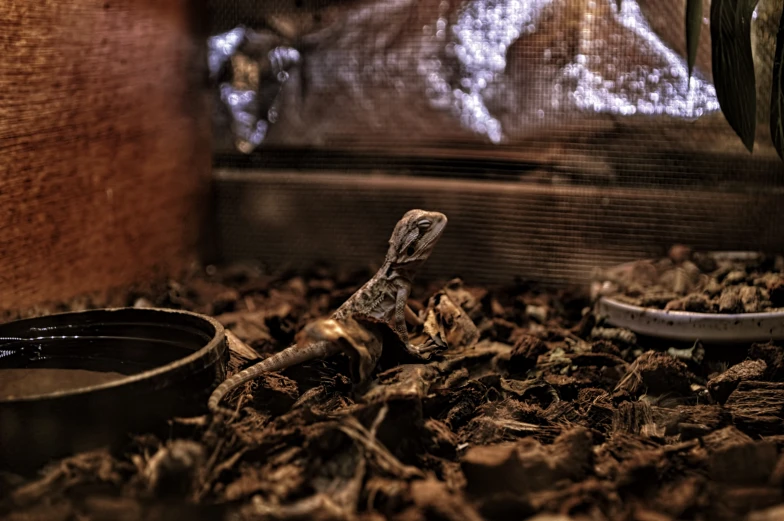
(733, 65)
(777, 93)
(693, 27)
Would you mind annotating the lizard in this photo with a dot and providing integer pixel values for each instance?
(382, 299)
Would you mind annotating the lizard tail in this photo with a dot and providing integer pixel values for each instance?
(288, 357)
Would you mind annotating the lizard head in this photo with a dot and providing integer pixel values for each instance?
(415, 236)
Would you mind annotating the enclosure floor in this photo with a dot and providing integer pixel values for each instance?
(529, 409)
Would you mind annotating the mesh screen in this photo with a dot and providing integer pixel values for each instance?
(497, 231)
(544, 93)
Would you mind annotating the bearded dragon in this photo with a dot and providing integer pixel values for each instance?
(383, 299)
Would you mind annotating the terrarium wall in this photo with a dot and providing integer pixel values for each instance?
(558, 134)
(104, 134)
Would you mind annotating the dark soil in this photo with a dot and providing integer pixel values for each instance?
(522, 414)
(699, 282)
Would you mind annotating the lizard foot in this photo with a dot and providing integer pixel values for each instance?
(424, 350)
(224, 414)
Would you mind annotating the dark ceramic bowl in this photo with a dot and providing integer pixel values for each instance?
(76, 381)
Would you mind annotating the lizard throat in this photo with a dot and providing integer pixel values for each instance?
(404, 270)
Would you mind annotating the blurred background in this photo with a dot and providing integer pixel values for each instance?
(557, 135)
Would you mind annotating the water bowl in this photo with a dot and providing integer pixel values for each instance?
(76, 381)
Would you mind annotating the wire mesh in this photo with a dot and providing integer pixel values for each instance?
(541, 93)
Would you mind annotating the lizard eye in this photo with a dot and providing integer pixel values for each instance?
(410, 250)
(424, 224)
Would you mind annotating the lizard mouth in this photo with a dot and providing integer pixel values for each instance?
(439, 223)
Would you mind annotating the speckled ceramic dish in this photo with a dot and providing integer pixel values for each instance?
(687, 325)
(690, 326)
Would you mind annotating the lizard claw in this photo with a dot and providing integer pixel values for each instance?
(423, 350)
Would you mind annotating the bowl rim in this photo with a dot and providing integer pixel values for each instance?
(690, 325)
(708, 317)
(682, 325)
(210, 351)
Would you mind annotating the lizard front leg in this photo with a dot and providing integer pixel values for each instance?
(401, 329)
(411, 317)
